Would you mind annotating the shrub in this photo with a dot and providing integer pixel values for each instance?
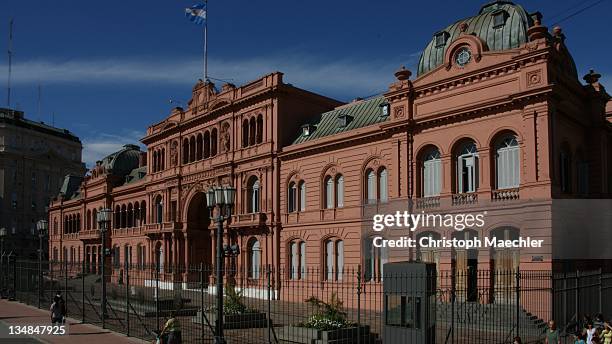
(233, 302)
(328, 316)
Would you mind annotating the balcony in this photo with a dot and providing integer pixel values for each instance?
(505, 195)
(428, 202)
(127, 232)
(465, 198)
(249, 220)
(165, 227)
(91, 234)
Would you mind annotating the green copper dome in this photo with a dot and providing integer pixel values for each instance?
(501, 24)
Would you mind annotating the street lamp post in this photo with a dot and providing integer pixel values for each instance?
(2, 271)
(42, 226)
(223, 198)
(103, 218)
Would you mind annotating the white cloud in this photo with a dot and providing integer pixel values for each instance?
(347, 76)
(98, 146)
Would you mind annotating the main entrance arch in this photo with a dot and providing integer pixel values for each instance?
(198, 233)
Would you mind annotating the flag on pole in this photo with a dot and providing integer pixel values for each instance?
(196, 13)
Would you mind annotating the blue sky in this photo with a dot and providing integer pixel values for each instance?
(108, 69)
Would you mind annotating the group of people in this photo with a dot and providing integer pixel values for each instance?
(594, 331)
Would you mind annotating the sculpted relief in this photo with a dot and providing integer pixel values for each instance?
(225, 137)
(174, 153)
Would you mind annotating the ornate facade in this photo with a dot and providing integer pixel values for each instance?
(495, 121)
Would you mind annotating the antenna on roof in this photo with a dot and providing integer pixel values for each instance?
(10, 63)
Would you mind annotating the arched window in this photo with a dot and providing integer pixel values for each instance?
(88, 220)
(292, 197)
(245, 133)
(78, 223)
(254, 258)
(507, 162)
(206, 144)
(431, 173)
(143, 213)
(329, 192)
(370, 187)
(154, 161)
(374, 260)
(425, 253)
(334, 259)
(185, 151)
(259, 129)
(55, 226)
(297, 259)
(117, 217)
(467, 167)
(340, 191)
(163, 159)
(253, 195)
(94, 218)
(130, 216)
(302, 192)
(213, 142)
(565, 169)
(383, 185)
(159, 210)
(123, 216)
(252, 129)
(192, 149)
(199, 145)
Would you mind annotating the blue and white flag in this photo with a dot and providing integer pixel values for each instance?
(196, 13)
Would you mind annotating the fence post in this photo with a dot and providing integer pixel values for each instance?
(39, 279)
(518, 302)
(359, 303)
(453, 297)
(66, 286)
(577, 299)
(14, 293)
(127, 297)
(157, 295)
(83, 292)
(600, 291)
(269, 315)
(202, 298)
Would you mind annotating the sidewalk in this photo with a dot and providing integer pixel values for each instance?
(14, 313)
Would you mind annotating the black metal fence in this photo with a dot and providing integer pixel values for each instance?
(281, 305)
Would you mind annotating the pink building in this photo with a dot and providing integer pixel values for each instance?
(495, 120)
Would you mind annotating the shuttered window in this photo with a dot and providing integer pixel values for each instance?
(371, 187)
(340, 191)
(508, 163)
(302, 196)
(432, 173)
(329, 193)
(383, 185)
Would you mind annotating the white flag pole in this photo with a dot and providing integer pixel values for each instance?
(206, 42)
(10, 63)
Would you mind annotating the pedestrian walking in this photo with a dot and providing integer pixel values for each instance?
(590, 333)
(56, 311)
(171, 333)
(606, 334)
(552, 334)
